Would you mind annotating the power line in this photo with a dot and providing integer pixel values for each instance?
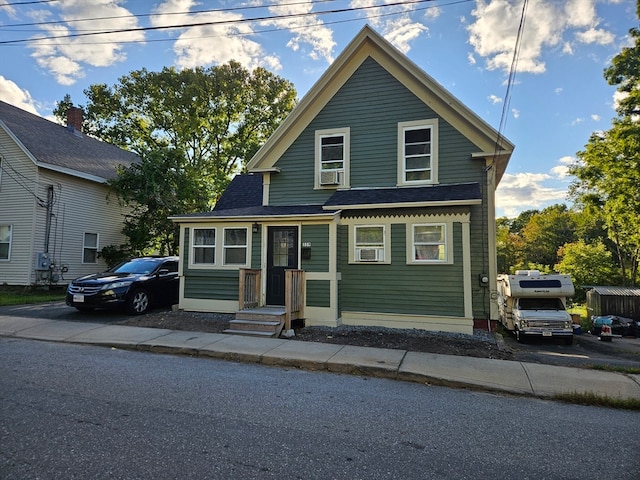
(270, 30)
(14, 4)
(147, 15)
(217, 22)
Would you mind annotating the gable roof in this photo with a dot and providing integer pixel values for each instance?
(58, 148)
(243, 191)
(367, 44)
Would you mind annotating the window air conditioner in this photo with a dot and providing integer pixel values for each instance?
(330, 177)
(370, 254)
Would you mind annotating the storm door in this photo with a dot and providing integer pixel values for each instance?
(282, 254)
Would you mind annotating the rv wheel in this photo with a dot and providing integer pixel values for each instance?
(519, 336)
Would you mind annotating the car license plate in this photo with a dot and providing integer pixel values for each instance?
(546, 334)
(78, 298)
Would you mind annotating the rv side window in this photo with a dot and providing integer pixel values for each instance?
(540, 304)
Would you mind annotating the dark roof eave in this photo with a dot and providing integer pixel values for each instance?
(369, 206)
(198, 218)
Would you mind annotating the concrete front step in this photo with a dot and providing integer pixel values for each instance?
(252, 333)
(255, 325)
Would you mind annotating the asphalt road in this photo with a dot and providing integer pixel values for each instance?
(78, 412)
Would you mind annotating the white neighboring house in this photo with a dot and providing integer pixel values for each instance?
(54, 212)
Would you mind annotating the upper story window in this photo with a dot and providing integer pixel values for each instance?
(5, 242)
(204, 246)
(418, 152)
(332, 158)
(90, 248)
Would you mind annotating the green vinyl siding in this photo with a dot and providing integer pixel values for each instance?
(371, 103)
(256, 248)
(318, 293)
(212, 284)
(318, 237)
(402, 288)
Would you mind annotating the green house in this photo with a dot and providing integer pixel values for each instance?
(376, 194)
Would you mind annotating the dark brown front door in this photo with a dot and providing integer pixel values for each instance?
(282, 254)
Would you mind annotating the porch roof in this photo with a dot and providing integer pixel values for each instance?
(436, 195)
(259, 213)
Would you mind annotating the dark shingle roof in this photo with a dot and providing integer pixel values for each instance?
(243, 191)
(460, 192)
(55, 145)
(262, 211)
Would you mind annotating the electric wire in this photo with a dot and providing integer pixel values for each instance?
(213, 22)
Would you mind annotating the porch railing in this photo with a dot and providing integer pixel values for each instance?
(249, 288)
(294, 296)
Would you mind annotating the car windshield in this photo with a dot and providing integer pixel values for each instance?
(136, 266)
(540, 304)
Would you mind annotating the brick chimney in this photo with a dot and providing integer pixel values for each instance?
(74, 119)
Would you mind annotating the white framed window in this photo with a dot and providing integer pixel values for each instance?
(235, 246)
(332, 158)
(90, 248)
(369, 242)
(418, 152)
(5, 242)
(429, 243)
(203, 246)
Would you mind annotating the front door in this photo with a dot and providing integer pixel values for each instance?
(282, 254)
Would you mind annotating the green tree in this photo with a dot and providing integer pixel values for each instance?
(608, 175)
(194, 129)
(545, 233)
(588, 264)
(624, 72)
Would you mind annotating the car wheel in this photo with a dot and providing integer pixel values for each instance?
(137, 302)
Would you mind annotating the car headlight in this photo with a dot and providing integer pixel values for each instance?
(114, 285)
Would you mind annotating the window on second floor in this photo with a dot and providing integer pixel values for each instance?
(418, 152)
(90, 248)
(332, 158)
(5, 242)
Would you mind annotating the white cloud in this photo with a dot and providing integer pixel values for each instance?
(494, 99)
(11, 93)
(204, 45)
(577, 121)
(561, 171)
(595, 117)
(515, 112)
(400, 32)
(558, 90)
(65, 58)
(617, 96)
(526, 191)
(471, 59)
(493, 33)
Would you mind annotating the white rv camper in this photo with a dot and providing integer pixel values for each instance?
(534, 305)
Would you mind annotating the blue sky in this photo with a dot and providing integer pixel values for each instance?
(559, 96)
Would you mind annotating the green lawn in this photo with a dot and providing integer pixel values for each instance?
(27, 295)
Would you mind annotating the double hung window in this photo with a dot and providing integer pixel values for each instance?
(429, 243)
(5, 242)
(90, 248)
(235, 246)
(417, 152)
(204, 246)
(369, 243)
(332, 157)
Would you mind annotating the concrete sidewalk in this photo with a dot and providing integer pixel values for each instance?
(478, 373)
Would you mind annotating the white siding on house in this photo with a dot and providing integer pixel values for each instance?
(17, 206)
(79, 206)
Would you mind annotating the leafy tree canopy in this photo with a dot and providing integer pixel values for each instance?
(192, 128)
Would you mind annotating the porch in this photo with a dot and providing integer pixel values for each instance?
(254, 318)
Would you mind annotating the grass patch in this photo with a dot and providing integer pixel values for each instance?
(29, 295)
(616, 368)
(594, 400)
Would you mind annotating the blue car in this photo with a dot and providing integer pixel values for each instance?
(135, 285)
